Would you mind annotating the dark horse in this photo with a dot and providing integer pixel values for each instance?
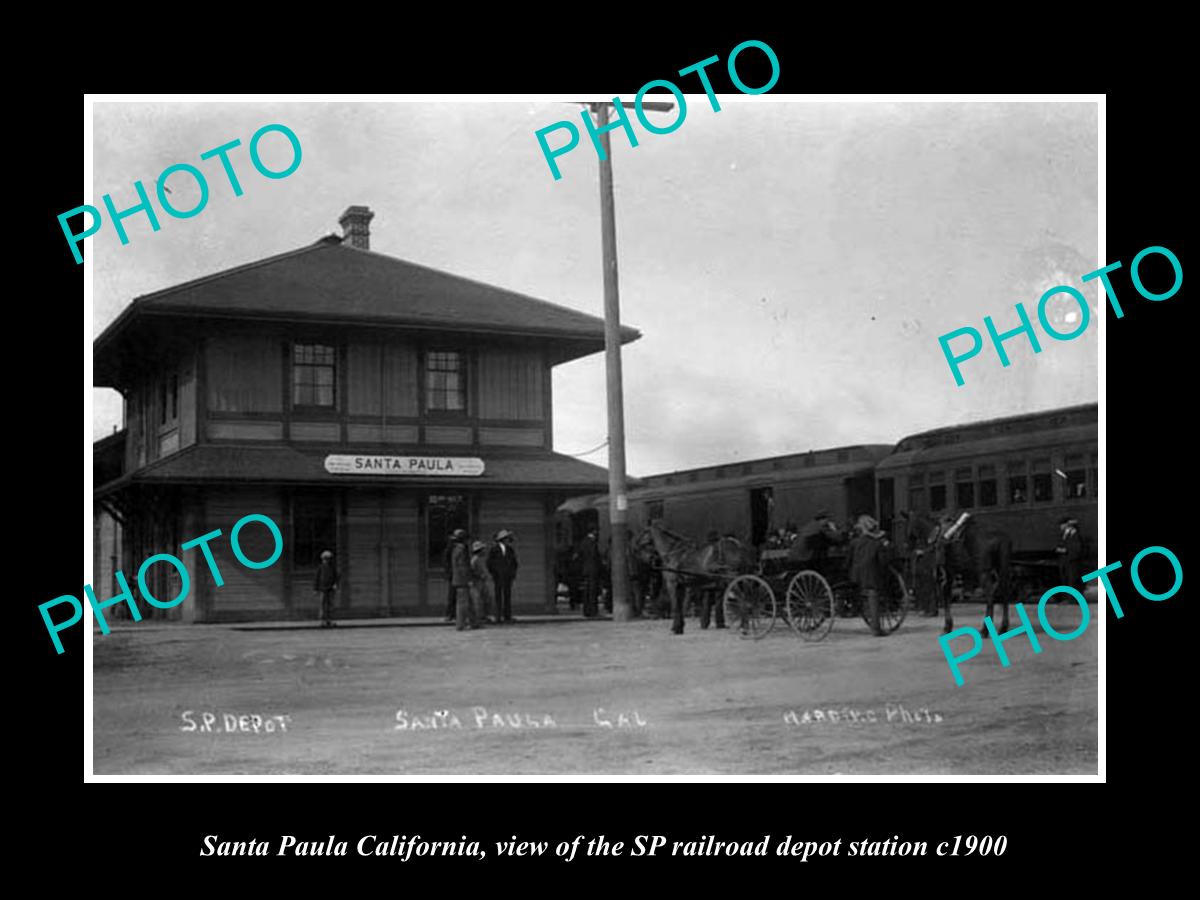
(968, 554)
(688, 566)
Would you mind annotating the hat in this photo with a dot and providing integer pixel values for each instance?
(458, 534)
(477, 546)
(867, 525)
(503, 534)
(326, 554)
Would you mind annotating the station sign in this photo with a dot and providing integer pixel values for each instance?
(404, 465)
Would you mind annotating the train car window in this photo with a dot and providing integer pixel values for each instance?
(1043, 481)
(1018, 483)
(916, 492)
(964, 488)
(1076, 481)
(937, 491)
(987, 486)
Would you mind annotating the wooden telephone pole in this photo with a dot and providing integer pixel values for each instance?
(618, 503)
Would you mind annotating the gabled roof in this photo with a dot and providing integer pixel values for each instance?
(330, 281)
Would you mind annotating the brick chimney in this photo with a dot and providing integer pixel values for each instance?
(356, 227)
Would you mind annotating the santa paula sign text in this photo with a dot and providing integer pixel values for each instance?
(403, 465)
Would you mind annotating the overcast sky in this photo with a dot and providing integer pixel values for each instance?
(790, 265)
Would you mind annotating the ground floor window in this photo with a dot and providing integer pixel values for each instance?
(445, 513)
(314, 528)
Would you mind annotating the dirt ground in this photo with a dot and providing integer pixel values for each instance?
(587, 697)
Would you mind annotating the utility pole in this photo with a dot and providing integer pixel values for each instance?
(617, 501)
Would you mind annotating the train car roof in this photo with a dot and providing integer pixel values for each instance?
(833, 462)
(995, 436)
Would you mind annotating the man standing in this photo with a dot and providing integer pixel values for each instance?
(448, 570)
(325, 584)
(481, 584)
(868, 559)
(1070, 552)
(460, 579)
(812, 544)
(636, 567)
(710, 595)
(502, 564)
(589, 560)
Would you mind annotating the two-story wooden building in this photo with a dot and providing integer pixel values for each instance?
(366, 404)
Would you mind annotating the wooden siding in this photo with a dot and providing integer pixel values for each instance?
(525, 516)
(257, 591)
(246, 430)
(187, 401)
(512, 437)
(447, 434)
(392, 434)
(379, 372)
(243, 374)
(510, 385)
(381, 552)
(316, 431)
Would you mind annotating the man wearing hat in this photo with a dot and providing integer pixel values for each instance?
(502, 564)
(460, 579)
(481, 584)
(326, 583)
(812, 544)
(448, 571)
(1070, 552)
(868, 561)
(589, 562)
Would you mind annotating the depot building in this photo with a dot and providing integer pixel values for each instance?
(367, 405)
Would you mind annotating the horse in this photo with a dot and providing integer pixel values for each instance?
(687, 566)
(978, 557)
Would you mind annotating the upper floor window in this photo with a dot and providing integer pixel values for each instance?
(445, 381)
(168, 400)
(314, 375)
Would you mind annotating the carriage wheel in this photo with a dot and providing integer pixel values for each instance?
(808, 606)
(750, 605)
(893, 604)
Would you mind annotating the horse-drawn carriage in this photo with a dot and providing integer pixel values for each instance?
(756, 590)
(809, 597)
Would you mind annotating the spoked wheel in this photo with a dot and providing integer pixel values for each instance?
(750, 606)
(809, 605)
(893, 604)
